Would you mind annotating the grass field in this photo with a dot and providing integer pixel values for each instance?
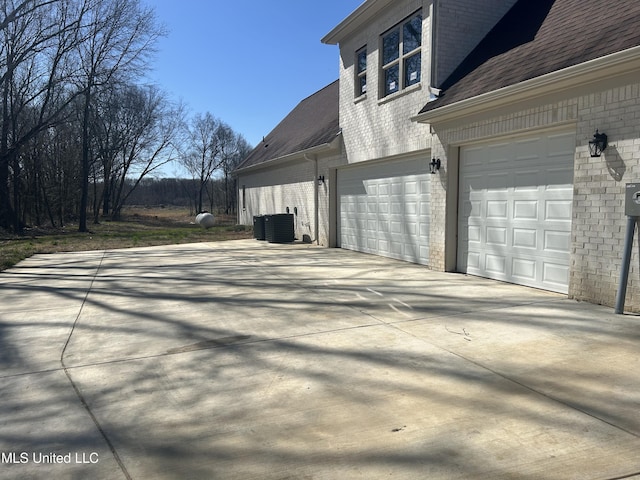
(139, 227)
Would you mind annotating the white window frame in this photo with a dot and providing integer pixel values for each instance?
(360, 75)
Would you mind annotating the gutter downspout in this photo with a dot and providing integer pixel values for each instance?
(316, 222)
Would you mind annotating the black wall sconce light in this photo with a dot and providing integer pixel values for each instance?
(434, 166)
(321, 180)
(598, 144)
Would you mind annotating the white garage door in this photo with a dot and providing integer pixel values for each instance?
(384, 209)
(515, 210)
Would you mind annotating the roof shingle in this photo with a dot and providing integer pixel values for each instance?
(537, 37)
(314, 122)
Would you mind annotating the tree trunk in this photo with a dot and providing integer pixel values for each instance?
(84, 197)
(7, 214)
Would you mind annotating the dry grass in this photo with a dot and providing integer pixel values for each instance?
(139, 227)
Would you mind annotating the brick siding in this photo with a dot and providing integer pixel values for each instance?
(461, 24)
(598, 224)
(272, 190)
(374, 127)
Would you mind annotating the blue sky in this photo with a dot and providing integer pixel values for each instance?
(248, 62)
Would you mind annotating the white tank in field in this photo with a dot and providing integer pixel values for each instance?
(205, 219)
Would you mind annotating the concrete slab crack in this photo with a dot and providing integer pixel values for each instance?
(75, 387)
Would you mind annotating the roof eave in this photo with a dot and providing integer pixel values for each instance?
(355, 20)
(601, 68)
(299, 155)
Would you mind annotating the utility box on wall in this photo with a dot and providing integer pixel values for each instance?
(632, 200)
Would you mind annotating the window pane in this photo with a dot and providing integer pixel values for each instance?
(412, 34)
(363, 85)
(412, 69)
(362, 60)
(391, 79)
(391, 46)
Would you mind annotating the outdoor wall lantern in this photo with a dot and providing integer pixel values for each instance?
(321, 180)
(598, 144)
(434, 165)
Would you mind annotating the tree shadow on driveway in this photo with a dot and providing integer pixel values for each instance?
(227, 361)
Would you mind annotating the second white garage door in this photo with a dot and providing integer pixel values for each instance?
(515, 210)
(384, 209)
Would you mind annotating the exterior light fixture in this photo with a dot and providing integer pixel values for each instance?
(598, 144)
(434, 166)
(321, 180)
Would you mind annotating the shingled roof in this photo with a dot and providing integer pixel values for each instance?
(537, 37)
(313, 123)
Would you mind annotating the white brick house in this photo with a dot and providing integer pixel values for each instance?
(288, 171)
(506, 94)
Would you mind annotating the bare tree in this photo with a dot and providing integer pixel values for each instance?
(37, 39)
(71, 112)
(234, 148)
(150, 128)
(120, 36)
(203, 155)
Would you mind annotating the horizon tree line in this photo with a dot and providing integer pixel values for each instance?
(79, 128)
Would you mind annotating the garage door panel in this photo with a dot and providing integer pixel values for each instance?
(497, 182)
(496, 154)
(525, 238)
(557, 241)
(471, 262)
(471, 183)
(497, 236)
(476, 156)
(411, 229)
(555, 274)
(473, 233)
(527, 181)
(410, 187)
(524, 270)
(525, 210)
(558, 210)
(515, 216)
(472, 208)
(561, 145)
(396, 228)
(497, 209)
(496, 264)
(396, 196)
(396, 247)
(528, 149)
(561, 178)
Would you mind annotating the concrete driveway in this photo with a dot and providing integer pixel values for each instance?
(246, 360)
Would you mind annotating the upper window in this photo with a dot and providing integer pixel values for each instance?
(402, 55)
(361, 71)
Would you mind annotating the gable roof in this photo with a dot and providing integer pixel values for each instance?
(538, 37)
(314, 122)
(360, 17)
